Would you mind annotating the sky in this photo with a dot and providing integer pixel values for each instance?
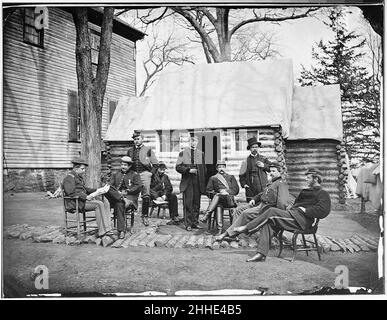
(294, 39)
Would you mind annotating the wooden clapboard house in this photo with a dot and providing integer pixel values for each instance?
(225, 104)
(41, 116)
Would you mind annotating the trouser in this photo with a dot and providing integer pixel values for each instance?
(245, 217)
(145, 193)
(102, 214)
(255, 187)
(172, 205)
(272, 220)
(191, 203)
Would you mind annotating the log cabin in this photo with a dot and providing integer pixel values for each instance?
(227, 103)
(41, 116)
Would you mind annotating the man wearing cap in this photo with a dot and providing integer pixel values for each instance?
(253, 172)
(144, 162)
(161, 190)
(276, 194)
(312, 203)
(221, 188)
(191, 165)
(74, 186)
(125, 188)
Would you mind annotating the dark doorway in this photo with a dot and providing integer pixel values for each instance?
(209, 143)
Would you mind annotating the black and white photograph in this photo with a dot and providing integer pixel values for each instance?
(192, 151)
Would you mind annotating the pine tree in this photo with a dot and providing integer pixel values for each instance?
(341, 61)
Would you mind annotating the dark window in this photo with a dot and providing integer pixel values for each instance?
(241, 137)
(74, 116)
(94, 44)
(112, 108)
(32, 35)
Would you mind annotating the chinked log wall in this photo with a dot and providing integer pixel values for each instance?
(272, 148)
(321, 154)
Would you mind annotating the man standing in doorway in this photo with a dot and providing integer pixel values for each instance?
(192, 167)
(144, 163)
(253, 172)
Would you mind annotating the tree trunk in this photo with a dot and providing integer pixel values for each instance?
(91, 91)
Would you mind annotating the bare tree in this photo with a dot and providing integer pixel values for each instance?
(91, 90)
(162, 53)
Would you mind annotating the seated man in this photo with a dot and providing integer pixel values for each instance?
(276, 194)
(125, 186)
(312, 202)
(161, 190)
(74, 186)
(221, 188)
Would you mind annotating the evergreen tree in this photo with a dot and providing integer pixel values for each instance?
(342, 61)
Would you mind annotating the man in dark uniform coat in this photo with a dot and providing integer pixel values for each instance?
(74, 186)
(144, 163)
(253, 172)
(221, 188)
(191, 165)
(276, 194)
(125, 188)
(161, 189)
(312, 202)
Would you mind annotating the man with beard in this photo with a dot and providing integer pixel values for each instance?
(74, 186)
(253, 171)
(276, 194)
(125, 186)
(161, 190)
(221, 188)
(312, 202)
(144, 163)
(191, 165)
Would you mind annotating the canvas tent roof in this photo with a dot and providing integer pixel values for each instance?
(221, 95)
(316, 113)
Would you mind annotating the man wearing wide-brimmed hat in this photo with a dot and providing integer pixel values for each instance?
(144, 163)
(221, 189)
(312, 203)
(276, 194)
(162, 190)
(253, 172)
(74, 185)
(125, 187)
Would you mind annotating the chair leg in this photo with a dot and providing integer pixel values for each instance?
(305, 247)
(158, 212)
(65, 222)
(78, 225)
(294, 245)
(163, 213)
(151, 211)
(84, 221)
(280, 243)
(317, 247)
(230, 214)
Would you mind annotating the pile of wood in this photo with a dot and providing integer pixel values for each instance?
(149, 237)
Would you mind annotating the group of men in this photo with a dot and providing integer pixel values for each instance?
(266, 209)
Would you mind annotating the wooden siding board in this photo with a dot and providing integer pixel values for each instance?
(35, 90)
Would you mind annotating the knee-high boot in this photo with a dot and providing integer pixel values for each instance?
(145, 210)
(211, 208)
(219, 219)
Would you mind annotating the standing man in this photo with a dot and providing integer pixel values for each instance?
(74, 186)
(144, 161)
(253, 172)
(221, 189)
(162, 190)
(192, 167)
(125, 186)
(276, 194)
(312, 202)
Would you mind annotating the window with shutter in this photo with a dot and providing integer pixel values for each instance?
(112, 108)
(94, 44)
(30, 34)
(241, 137)
(74, 116)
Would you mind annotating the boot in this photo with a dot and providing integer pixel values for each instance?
(219, 220)
(145, 210)
(211, 208)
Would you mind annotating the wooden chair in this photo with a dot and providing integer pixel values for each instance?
(129, 212)
(293, 245)
(212, 220)
(80, 219)
(162, 206)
